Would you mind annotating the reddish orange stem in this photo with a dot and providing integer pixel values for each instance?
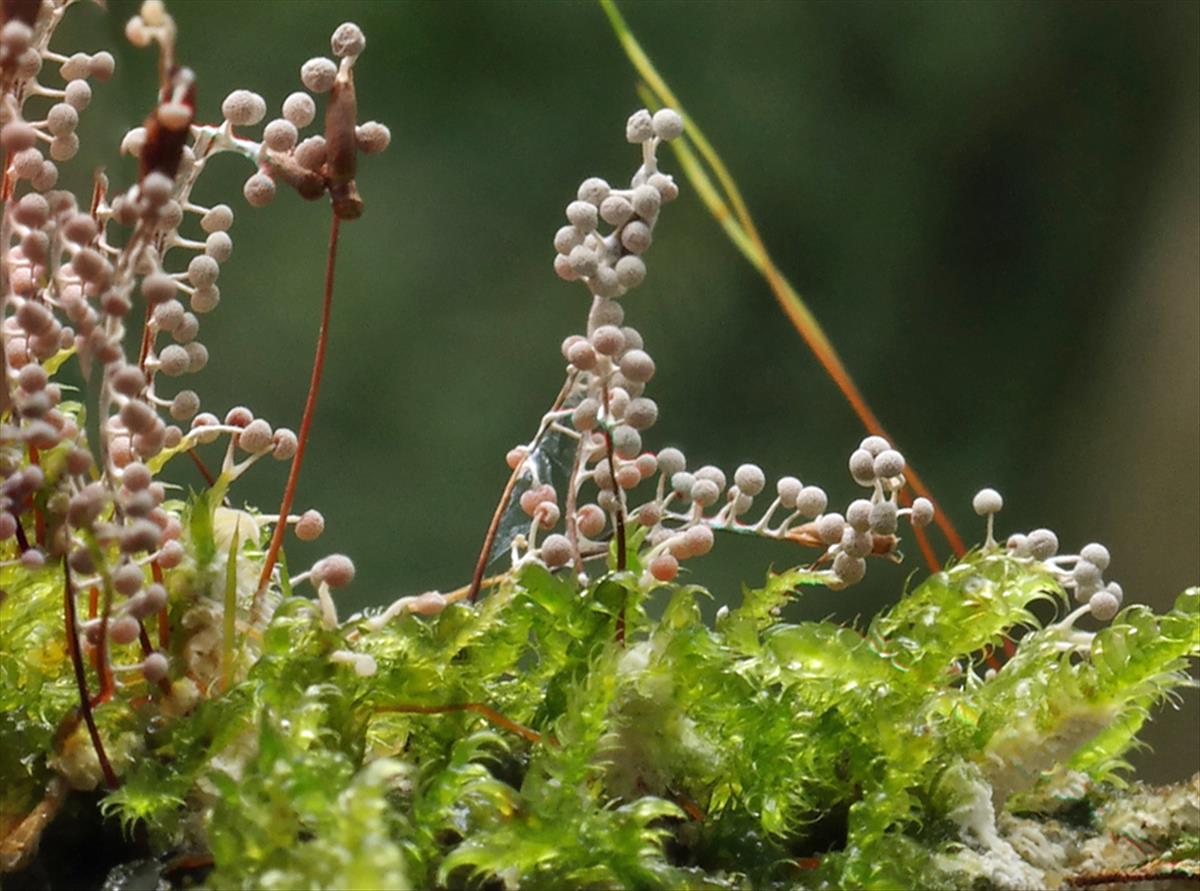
(310, 405)
(103, 671)
(489, 537)
(85, 705)
(164, 618)
(39, 519)
(144, 350)
(208, 477)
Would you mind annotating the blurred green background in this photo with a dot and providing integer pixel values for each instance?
(992, 207)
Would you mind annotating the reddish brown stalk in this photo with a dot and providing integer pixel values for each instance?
(739, 225)
(144, 350)
(164, 619)
(189, 862)
(618, 514)
(490, 537)
(489, 714)
(204, 472)
(85, 706)
(618, 521)
(22, 541)
(103, 670)
(837, 372)
(498, 514)
(39, 520)
(310, 405)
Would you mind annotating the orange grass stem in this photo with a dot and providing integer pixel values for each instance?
(310, 405)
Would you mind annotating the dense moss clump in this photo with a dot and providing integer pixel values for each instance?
(525, 741)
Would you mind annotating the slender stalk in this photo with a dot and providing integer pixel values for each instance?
(730, 211)
(619, 513)
(506, 496)
(39, 519)
(107, 595)
(204, 471)
(229, 624)
(85, 705)
(618, 521)
(164, 616)
(490, 537)
(572, 500)
(22, 541)
(310, 405)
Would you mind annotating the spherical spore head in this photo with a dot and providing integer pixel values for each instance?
(987, 502)
(1042, 544)
(336, 570)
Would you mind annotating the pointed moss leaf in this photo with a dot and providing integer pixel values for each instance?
(551, 593)
(760, 606)
(199, 524)
(961, 610)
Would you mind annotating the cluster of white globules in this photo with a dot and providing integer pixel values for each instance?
(611, 264)
(1081, 574)
(74, 269)
(60, 291)
(615, 480)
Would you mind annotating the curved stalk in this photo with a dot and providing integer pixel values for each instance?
(494, 526)
(310, 405)
(85, 705)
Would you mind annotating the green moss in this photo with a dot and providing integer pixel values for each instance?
(757, 752)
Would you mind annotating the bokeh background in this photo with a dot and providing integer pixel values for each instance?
(992, 207)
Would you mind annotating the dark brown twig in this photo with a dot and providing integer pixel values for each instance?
(85, 706)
